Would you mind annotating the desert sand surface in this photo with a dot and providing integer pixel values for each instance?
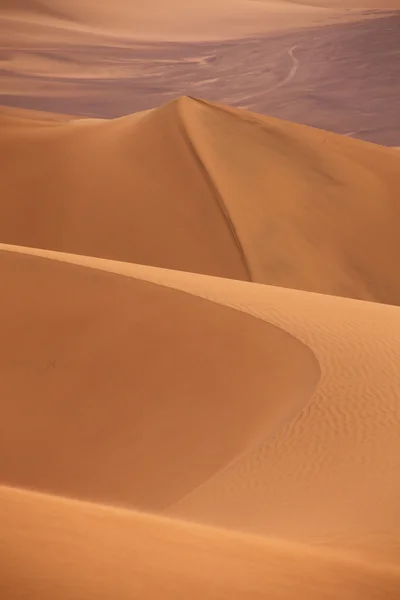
(249, 197)
(175, 19)
(133, 555)
(200, 301)
(146, 354)
(334, 67)
(318, 467)
(332, 437)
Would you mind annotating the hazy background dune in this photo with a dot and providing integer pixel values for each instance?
(178, 19)
(332, 65)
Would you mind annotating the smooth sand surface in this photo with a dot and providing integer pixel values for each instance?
(199, 315)
(84, 336)
(327, 476)
(200, 187)
(73, 551)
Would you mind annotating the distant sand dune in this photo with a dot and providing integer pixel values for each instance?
(200, 187)
(35, 7)
(175, 19)
(100, 190)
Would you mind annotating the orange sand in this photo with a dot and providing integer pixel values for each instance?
(200, 321)
(248, 197)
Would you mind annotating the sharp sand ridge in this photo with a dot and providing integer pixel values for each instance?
(249, 197)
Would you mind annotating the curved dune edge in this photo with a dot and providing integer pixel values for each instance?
(330, 475)
(52, 547)
(118, 390)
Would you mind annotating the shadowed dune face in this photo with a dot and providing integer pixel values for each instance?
(123, 391)
(199, 187)
(313, 210)
(131, 190)
(76, 551)
(328, 475)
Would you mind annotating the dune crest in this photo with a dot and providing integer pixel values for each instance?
(307, 205)
(249, 197)
(100, 190)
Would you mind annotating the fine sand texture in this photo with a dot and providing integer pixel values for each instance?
(326, 474)
(312, 466)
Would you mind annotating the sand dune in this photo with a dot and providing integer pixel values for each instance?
(76, 551)
(100, 190)
(33, 7)
(200, 305)
(305, 480)
(159, 349)
(28, 115)
(176, 19)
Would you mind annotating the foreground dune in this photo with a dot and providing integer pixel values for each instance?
(179, 370)
(200, 187)
(325, 475)
(52, 547)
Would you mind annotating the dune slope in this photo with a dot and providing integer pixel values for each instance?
(174, 20)
(328, 474)
(122, 391)
(312, 210)
(52, 547)
(200, 187)
(129, 189)
(32, 7)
